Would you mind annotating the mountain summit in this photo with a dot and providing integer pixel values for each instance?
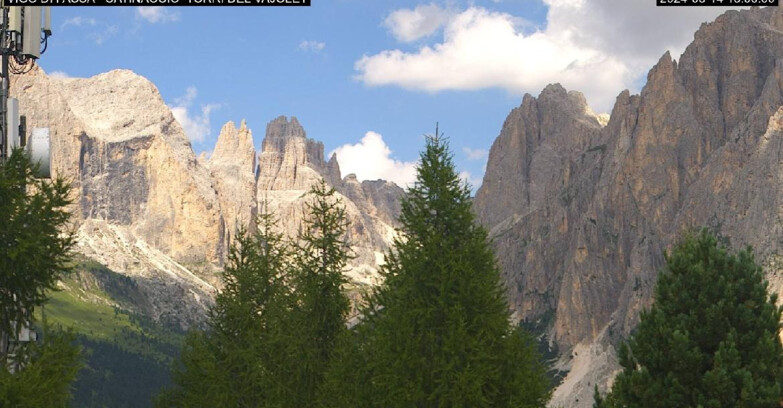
(146, 207)
(582, 214)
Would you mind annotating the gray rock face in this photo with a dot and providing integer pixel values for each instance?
(146, 207)
(291, 161)
(290, 164)
(233, 170)
(582, 214)
(114, 190)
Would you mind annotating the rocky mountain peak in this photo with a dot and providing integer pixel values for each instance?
(233, 169)
(533, 144)
(582, 214)
(234, 147)
(110, 105)
(146, 207)
(291, 161)
(333, 167)
(281, 127)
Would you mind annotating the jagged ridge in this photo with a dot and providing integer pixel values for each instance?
(581, 214)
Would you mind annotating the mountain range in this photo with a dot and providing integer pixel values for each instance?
(582, 211)
(581, 207)
(144, 205)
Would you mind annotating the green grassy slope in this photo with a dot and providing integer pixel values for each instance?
(127, 355)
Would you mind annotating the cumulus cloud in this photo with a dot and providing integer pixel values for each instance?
(410, 25)
(196, 126)
(598, 47)
(370, 159)
(475, 154)
(157, 14)
(314, 46)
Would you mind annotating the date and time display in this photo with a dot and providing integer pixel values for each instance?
(716, 2)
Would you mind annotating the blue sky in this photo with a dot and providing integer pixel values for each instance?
(370, 77)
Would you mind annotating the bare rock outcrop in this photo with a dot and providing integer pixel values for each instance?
(143, 205)
(233, 169)
(130, 160)
(582, 214)
(146, 207)
(291, 161)
(290, 164)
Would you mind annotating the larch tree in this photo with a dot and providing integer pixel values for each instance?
(35, 253)
(321, 310)
(239, 359)
(437, 332)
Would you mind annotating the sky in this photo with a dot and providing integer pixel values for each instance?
(369, 78)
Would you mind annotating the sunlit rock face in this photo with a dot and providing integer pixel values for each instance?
(582, 213)
(290, 163)
(147, 207)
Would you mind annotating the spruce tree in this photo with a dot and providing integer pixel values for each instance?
(319, 319)
(711, 339)
(239, 360)
(437, 332)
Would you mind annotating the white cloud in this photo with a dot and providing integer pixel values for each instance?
(370, 159)
(100, 37)
(99, 31)
(473, 182)
(197, 127)
(157, 14)
(475, 154)
(313, 46)
(59, 75)
(78, 21)
(410, 25)
(598, 47)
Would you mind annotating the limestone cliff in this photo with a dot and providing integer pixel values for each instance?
(143, 204)
(291, 161)
(290, 164)
(582, 214)
(233, 169)
(146, 207)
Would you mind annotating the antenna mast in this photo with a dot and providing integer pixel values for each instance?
(22, 33)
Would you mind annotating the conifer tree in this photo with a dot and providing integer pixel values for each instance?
(239, 360)
(35, 245)
(34, 254)
(711, 339)
(437, 332)
(321, 306)
(46, 374)
(274, 326)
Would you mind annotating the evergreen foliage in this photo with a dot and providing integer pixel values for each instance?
(35, 254)
(709, 340)
(35, 247)
(437, 332)
(232, 362)
(321, 256)
(47, 372)
(274, 326)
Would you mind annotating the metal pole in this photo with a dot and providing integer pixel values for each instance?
(5, 84)
(4, 49)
